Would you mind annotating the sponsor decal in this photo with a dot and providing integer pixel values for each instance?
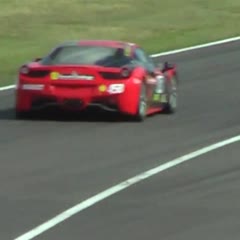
(73, 76)
(127, 51)
(160, 88)
(116, 88)
(156, 97)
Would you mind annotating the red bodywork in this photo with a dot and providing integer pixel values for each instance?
(41, 85)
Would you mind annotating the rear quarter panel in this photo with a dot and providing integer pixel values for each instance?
(128, 101)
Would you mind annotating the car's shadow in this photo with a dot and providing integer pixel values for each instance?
(67, 116)
(7, 114)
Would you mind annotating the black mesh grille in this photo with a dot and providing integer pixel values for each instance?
(41, 102)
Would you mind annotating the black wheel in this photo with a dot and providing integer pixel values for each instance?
(142, 105)
(171, 94)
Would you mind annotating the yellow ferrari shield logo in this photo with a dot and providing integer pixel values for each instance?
(102, 88)
(54, 75)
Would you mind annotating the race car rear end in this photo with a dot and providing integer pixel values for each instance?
(113, 75)
(75, 88)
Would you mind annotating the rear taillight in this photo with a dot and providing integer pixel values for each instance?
(24, 70)
(125, 72)
(34, 73)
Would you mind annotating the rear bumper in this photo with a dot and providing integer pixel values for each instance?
(38, 96)
(114, 95)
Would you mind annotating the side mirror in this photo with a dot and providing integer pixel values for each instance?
(165, 66)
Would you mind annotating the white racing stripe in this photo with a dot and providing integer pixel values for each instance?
(121, 186)
(32, 86)
(228, 40)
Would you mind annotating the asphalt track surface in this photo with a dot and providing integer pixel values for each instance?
(52, 163)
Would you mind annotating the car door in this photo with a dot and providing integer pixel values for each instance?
(151, 81)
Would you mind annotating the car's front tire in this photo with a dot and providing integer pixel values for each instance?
(170, 106)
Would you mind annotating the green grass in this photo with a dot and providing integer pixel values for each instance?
(30, 28)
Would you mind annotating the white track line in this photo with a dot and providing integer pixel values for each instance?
(121, 186)
(228, 40)
(7, 87)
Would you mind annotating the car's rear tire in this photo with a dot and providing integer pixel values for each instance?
(170, 106)
(142, 105)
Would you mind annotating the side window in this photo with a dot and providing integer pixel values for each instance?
(142, 57)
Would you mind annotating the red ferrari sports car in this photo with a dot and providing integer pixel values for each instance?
(113, 75)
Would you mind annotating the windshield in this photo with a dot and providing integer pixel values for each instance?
(87, 55)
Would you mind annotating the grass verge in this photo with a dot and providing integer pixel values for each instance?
(30, 28)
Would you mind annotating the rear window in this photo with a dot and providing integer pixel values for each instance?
(87, 55)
